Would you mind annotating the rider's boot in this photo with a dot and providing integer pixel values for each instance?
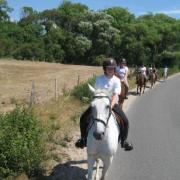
(84, 122)
(126, 145)
(80, 143)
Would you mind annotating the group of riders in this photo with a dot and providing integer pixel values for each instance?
(147, 71)
(115, 74)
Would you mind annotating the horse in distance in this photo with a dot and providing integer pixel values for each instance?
(152, 79)
(141, 83)
(122, 95)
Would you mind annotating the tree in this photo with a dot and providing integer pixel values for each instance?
(121, 17)
(28, 16)
(4, 10)
(70, 15)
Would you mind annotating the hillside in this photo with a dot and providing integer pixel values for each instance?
(16, 80)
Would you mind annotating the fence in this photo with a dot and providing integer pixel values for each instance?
(37, 91)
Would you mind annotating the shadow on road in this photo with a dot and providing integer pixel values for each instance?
(133, 93)
(66, 171)
(160, 80)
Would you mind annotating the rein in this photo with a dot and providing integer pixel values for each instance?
(99, 120)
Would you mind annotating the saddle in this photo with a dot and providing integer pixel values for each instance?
(120, 123)
(119, 120)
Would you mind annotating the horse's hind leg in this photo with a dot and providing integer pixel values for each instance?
(151, 84)
(91, 161)
(140, 89)
(144, 88)
(106, 164)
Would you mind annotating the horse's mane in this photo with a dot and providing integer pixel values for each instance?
(102, 92)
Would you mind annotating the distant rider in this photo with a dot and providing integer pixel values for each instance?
(122, 71)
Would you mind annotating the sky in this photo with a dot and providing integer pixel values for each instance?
(136, 7)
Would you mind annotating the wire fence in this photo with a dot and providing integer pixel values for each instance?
(37, 91)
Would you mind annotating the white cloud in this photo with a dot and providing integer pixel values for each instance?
(168, 12)
(175, 11)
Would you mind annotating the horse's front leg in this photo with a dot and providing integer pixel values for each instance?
(151, 84)
(106, 164)
(137, 90)
(144, 88)
(140, 89)
(91, 161)
(97, 169)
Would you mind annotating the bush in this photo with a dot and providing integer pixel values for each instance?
(98, 61)
(20, 143)
(173, 70)
(82, 91)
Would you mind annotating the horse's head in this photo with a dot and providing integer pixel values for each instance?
(101, 111)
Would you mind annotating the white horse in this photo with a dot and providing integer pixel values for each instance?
(102, 140)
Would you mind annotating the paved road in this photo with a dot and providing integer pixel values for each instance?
(155, 132)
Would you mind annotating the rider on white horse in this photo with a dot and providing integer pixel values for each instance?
(111, 82)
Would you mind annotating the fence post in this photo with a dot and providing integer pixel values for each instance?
(32, 96)
(55, 89)
(78, 81)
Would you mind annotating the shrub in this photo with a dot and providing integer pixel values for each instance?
(20, 143)
(98, 61)
(82, 91)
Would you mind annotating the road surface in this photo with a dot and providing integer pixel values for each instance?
(155, 132)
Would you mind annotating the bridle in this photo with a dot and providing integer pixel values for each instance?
(100, 120)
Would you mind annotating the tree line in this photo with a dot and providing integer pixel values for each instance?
(74, 34)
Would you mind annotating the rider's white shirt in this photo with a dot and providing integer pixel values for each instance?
(143, 70)
(113, 84)
(165, 70)
(121, 72)
(126, 68)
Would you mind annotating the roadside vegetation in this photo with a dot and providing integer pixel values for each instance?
(21, 143)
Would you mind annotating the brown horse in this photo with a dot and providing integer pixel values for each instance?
(152, 79)
(141, 83)
(122, 95)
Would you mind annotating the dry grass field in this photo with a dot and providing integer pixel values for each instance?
(16, 80)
